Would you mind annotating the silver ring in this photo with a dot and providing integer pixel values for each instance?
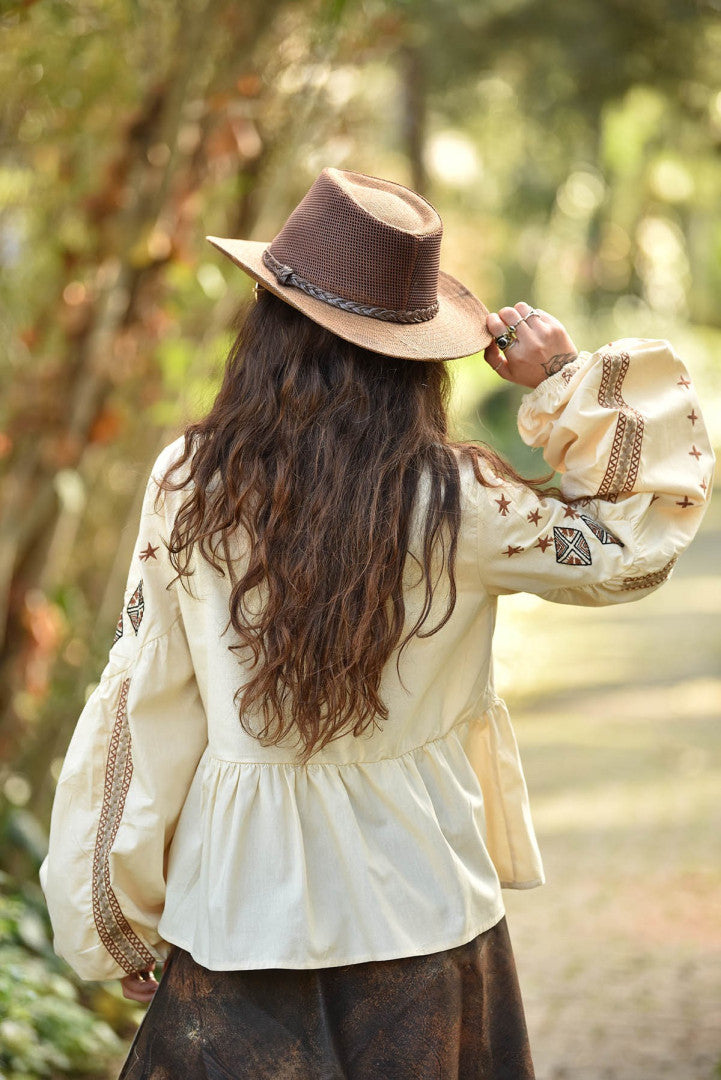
(498, 367)
(533, 312)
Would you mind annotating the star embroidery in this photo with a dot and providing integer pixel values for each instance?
(654, 497)
(692, 416)
(683, 381)
(149, 552)
(703, 485)
(686, 502)
(503, 504)
(543, 542)
(534, 516)
(569, 512)
(693, 452)
(511, 551)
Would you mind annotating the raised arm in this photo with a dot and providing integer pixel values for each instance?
(624, 428)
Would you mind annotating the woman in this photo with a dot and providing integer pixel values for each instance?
(295, 782)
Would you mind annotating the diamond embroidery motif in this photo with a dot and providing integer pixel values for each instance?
(600, 532)
(571, 547)
(136, 607)
(118, 628)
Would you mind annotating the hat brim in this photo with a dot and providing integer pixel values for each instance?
(458, 328)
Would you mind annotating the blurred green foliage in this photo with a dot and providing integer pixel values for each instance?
(51, 1025)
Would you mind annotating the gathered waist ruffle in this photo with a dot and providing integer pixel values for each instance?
(276, 864)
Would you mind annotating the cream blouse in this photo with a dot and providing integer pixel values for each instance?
(172, 825)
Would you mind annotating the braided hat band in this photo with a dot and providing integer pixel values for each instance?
(286, 276)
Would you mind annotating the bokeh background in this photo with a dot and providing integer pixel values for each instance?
(574, 152)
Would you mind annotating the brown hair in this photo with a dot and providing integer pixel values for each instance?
(319, 446)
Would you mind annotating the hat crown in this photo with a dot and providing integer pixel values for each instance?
(366, 240)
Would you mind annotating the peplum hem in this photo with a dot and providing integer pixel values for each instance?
(423, 841)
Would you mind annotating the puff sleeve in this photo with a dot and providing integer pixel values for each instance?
(623, 427)
(126, 774)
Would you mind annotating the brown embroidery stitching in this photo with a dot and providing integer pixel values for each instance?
(149, 553)
(571, 546)
(510, 550)
(600, 531)
(625, 456)
(115, 932)
(647, 580)
(136, 607)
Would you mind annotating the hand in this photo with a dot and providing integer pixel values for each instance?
(140, 989)
(542, 345)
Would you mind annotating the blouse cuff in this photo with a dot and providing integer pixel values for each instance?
(549, 398)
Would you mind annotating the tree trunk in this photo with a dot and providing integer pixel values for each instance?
(414, 117)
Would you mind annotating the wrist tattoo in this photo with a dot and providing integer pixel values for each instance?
(554, 365)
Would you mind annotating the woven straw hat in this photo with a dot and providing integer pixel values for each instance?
(360, 256)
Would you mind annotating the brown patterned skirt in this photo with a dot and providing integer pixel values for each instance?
(451, 1014)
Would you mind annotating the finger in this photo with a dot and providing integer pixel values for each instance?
(499, 329)
(138, 989)
(495, 324)
(527, 310)
(524, 307)
(509, 315)
(547, 318)
(495, 358)
(133, 995)
(493, 354)
(138, 985)
(516, 321)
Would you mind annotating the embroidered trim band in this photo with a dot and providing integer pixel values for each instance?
(648, 580)
(115, 932)
(625, 457)
(287, 276)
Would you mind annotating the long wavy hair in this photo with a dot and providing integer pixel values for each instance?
(318, 446)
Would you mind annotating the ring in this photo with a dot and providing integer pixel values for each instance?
(504, 340)
(497, 368)
(524, 318)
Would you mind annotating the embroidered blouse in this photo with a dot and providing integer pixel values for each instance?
(170, 824)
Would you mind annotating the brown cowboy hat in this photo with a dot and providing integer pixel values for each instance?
(360, 256)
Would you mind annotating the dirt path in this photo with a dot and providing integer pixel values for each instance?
(617, 713)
